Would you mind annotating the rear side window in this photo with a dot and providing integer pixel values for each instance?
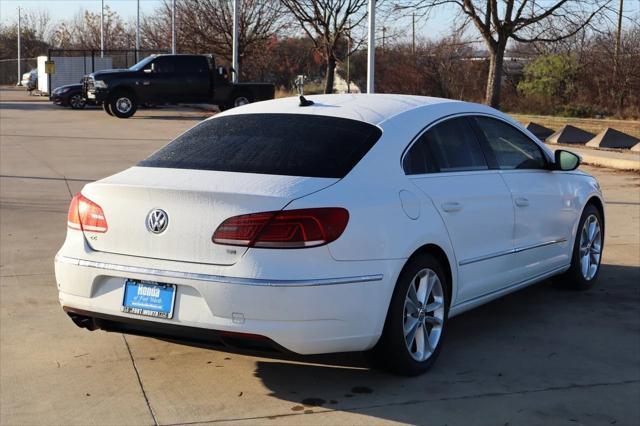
(512, 148)
(450, 146)
(274, 144)
(192, 64)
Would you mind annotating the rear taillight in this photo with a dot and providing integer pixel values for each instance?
(284, 229)
(86, 215)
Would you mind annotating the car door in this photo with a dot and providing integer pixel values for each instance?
(545, 205)
(164, 83)
(447, 163)
(193, 75)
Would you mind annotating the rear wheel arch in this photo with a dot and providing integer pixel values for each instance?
(439, 253)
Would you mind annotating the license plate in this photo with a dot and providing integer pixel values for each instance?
(149, 298)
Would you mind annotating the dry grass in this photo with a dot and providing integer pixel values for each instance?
(593, 125)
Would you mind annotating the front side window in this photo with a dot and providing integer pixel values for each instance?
(274, 144)
(164, 65)
(512, 148)
(450, 146)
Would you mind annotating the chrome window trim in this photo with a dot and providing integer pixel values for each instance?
(512, 251)
(437, 121)
(217, 278)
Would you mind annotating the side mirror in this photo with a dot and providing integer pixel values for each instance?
(566, 160)
(149, 70)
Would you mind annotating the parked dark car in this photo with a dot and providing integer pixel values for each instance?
(70, 95)
(170, 79)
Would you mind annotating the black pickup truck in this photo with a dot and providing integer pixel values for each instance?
(170, 79)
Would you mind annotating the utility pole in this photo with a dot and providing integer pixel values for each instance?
(137, 30)
(384, 36)
(234, 43)
(19, 64)
(413, 32)
(102, 29)
(616, 60)
(371, 48)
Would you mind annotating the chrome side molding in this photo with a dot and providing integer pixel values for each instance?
(512, 251)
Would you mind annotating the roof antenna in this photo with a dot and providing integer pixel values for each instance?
(304, 102)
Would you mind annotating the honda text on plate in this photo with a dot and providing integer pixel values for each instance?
(354, 223)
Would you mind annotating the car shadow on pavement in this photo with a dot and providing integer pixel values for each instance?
(25, 106)
(171, 117)
(536, 339)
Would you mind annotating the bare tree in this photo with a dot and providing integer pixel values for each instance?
(327, 23)
(83, 31)
(40, 21)
(206, 26)
(524, 21)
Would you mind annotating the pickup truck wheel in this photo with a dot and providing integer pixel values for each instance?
(123, 105)
(106, 106)
(239, 99)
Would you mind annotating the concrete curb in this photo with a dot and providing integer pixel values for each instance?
(613, 163)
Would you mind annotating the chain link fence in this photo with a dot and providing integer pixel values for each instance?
(9, 69)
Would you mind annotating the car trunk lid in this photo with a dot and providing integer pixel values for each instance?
(195, 202)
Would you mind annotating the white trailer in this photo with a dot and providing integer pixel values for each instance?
(69, 70)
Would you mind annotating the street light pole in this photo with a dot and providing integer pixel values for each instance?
(173, 27)
(349, 58)
(137, 30)
(19, 64)
(102, 29)
(234, 43)
(371, 48)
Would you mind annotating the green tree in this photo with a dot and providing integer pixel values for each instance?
(550, 78)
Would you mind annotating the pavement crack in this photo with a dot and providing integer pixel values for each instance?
(68, 187)
(418, 401)
(144, 393)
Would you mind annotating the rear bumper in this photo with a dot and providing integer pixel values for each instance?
(306, 316)
(182, 334)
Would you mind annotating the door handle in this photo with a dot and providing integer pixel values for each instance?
(521, 202)
(451, 207)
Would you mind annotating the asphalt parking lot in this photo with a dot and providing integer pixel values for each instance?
(544, 355)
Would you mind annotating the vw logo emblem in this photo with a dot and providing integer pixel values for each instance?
(157, 221)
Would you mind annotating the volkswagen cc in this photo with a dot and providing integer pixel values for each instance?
(350, 223)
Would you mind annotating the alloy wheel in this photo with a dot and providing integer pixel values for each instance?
(424, 312)
(590, 247)
(123, 105)
(76, 101)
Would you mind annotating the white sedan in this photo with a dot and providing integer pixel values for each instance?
(357, 223)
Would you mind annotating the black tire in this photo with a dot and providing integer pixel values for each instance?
(575, 277)
(106, 106)
(392, 352)
(123, 104)
(77, 101)
(238, 99)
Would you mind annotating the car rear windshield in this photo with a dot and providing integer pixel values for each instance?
(274, 144)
